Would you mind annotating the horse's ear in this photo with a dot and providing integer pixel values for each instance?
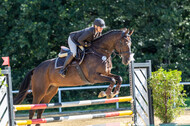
(123, 29)
(126, 31)
(131, 32)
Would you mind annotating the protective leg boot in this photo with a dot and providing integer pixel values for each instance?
(67, 61)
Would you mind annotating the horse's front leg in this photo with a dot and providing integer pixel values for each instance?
(100, 78)
(119, 82)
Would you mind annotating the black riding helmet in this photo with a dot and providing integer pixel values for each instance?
(99, 22)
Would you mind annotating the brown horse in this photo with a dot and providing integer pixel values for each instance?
(96, 66)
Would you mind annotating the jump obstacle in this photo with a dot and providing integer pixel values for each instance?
(140, 98)
(76, 117)
(6, 98)
(71, 104)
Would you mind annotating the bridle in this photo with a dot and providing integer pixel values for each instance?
(110, 52)
(122, 44)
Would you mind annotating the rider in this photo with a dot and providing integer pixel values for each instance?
(82, 38)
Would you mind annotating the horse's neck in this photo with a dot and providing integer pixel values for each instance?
(107, 44)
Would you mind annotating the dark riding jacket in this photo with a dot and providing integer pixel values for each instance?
(85, 35)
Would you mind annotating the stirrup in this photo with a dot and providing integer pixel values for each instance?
(62, 72)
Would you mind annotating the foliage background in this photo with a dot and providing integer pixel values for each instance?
(32, 31)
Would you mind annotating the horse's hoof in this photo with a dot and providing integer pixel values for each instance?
(111, 95)
(102, 94)
(115, 93)
(108, 96)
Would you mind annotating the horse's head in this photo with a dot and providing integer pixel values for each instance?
(123, 46)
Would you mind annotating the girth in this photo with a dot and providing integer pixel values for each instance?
(81, 74)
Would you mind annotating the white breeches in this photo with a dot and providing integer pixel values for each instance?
(72, 47)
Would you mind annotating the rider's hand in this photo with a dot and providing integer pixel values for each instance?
(87, 44)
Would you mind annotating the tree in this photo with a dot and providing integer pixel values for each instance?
(33, 31)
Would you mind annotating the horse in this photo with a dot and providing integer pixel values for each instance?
(44, 80)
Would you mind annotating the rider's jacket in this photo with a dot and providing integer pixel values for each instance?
(85, 35)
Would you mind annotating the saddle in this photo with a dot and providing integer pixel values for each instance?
(76, 62)
(64, 53)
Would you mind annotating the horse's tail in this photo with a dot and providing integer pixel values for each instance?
(24, 87)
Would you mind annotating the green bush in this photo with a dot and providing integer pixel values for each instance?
(168, 94)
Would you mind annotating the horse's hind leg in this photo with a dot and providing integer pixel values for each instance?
(39, 90)
(46, 99)
(36, 100)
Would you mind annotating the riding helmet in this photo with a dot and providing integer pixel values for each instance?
(99, 22)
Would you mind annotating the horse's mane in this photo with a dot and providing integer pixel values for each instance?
(105, 34)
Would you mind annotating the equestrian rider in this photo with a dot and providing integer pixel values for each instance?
(82, 38)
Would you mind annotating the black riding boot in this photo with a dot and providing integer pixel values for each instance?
(67, 61)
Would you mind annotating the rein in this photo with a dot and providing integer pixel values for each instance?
(104, 51)
(92, 51)
(100, 52)
(121, 44)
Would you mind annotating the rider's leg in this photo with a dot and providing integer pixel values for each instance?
(70, 56)
(67, 61)
(72, 47)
